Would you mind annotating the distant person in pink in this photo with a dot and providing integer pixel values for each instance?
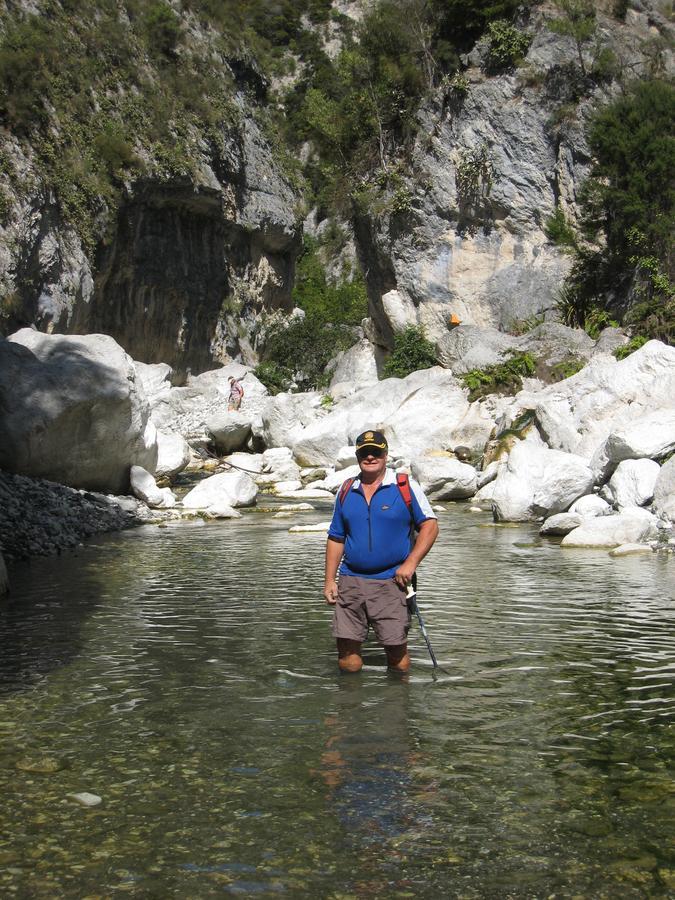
(236, 394)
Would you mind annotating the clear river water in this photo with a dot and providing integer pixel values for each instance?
(186, 676)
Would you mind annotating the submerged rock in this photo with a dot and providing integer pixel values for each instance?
(632, 526)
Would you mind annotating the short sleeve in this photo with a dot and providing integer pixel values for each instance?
(421, 507)
(337, 525)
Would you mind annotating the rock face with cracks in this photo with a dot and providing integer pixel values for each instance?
(74, 411)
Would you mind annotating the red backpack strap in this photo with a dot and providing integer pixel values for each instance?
(344, 490)
(403, 483)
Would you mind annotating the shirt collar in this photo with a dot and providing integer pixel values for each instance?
(389, 478)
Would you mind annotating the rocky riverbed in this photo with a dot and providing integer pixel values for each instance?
(95, 442)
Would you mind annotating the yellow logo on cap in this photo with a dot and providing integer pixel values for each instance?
(368, 436)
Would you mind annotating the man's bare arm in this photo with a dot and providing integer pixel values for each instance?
(334, 551)
(426, 536)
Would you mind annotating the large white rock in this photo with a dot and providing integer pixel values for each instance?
(252, 463)
(279, 463)
(186, 409)
(650, 436)
(333, 480)
(227, 489)
(399, 311)
(538, 482)
(345, 457)
(590, 505)
(155, 378)
(631, 526)
(444, 478)
(356, 366)
(633, 482)
(144, 487)
(173, 454)
(285, 416)
(428, 410)
(74, 411)
(577, 415)
(664, 491)
(436, 415)
(471, 347)
(561, 523)
(230, 430)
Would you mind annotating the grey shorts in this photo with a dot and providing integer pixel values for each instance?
(369, 601)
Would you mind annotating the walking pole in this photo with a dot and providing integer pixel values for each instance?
(411, 597)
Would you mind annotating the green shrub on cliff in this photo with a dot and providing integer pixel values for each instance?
(412, 351)
(628, 204)
(502, 378)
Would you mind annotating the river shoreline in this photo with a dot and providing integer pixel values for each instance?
(43, 518)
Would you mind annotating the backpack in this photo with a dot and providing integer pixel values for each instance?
(402, 482)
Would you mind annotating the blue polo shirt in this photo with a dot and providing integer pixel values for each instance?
(377, 538)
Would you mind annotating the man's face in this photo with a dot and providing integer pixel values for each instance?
(372, 462)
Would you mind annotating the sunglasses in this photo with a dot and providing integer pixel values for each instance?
(370, 451)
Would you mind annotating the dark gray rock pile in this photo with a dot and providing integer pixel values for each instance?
(42, 518)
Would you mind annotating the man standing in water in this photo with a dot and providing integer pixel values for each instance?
(372, 533)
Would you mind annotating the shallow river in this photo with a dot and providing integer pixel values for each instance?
(186, 676)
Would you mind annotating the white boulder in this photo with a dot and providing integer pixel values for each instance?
(345, 457)
(650, 436)
(633, 482)
(284, 487)
(445, 478)
(315, 526)
(155, 378)
(173, 454)
(631, 550)
(334, 480)
(144, 487)
(664, 491)
(230, 431)
(577, 415)
(226, 489)
(285, 416)
(398, 310)
(356, 366)
(561, 523)
(186, 409)
(590, 505)
(74, 411)
(538, 482)
(251, 463)
(633, 525)
(279, 464)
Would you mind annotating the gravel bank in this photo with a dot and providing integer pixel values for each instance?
(42, 518)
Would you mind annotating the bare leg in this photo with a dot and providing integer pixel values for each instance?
(398, 657)
(349, 655)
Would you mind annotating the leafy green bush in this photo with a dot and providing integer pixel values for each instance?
(628, 205)
(344, 303)
(276, 378)
(162, 27)
(559, 231)
(502, 378)
(300, 351)
(412, 351)
(567, 368)
(507, 45)
(632, 345)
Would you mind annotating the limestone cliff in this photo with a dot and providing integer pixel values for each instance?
(495, 158)
(187, 241)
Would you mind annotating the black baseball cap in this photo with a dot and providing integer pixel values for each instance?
(373, 439)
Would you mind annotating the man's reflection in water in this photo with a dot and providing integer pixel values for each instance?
(369, 759)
